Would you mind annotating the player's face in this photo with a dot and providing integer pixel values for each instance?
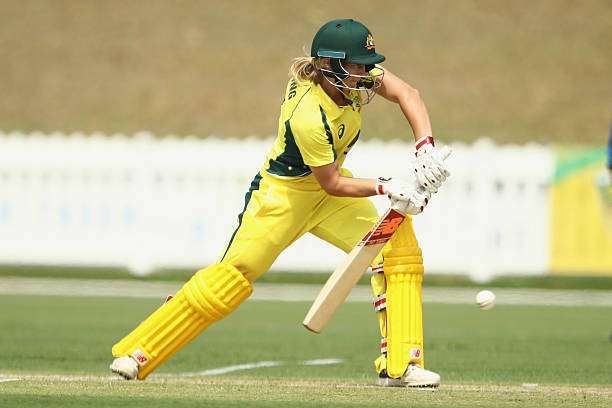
(354, 69)
(357, 79)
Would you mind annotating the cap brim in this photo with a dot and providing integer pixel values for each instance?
(368, 60)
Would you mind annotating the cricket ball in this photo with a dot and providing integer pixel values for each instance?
(485, 299)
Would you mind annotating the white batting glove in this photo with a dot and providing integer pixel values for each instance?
(429, 167)
(408, 197)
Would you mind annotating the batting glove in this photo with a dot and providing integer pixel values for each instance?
(429, 168)
(407, 197)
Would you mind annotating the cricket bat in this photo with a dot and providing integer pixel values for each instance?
(348, 273)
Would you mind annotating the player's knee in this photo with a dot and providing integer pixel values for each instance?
(250, 274)
(250, 266)
(217, 290)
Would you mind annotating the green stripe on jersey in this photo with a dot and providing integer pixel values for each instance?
(350, 145)
(247, 199)
(328, 132)
(289, 162)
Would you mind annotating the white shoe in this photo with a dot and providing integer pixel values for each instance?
(125, 366)
(417, 376)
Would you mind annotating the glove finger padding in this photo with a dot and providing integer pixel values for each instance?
(429, 167)
(425, 181)
(420, 199)
(433, 179)
(404, 196)
(438, 173)
(414, 205)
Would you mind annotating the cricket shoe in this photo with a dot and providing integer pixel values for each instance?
(417, 376)
(125, 366)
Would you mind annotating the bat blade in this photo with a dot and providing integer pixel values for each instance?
(348, 273)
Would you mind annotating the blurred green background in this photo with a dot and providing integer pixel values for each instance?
(510, 70)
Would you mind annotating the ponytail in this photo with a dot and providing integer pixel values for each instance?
(305, 69)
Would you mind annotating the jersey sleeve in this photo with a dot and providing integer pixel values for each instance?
(314, 140)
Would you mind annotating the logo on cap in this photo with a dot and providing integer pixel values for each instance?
(369, 42)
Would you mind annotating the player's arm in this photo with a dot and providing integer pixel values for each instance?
(394, 89)
(335, 184)
(429, 168)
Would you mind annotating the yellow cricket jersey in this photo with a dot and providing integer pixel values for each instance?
(312, 131)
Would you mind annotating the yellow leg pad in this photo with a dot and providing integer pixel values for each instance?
(211, 294)
(403, 269)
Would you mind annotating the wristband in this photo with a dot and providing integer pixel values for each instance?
(380, 185)
(423, 141)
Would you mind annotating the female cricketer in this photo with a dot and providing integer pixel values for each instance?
(302, 187)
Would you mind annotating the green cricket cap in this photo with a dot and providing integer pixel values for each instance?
(346, 39)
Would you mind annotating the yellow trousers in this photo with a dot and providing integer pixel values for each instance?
(279, 212)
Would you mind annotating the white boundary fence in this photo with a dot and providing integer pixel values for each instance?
(148, 203)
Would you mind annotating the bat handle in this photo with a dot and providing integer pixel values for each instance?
(445, 151)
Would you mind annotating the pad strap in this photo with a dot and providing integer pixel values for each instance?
(383, 345)
(380, 302)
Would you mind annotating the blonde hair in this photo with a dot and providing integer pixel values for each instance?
(306, 69)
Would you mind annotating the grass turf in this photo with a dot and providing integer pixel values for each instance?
(274, 393)
(484, 356)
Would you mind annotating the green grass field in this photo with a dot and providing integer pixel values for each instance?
(57, 350)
